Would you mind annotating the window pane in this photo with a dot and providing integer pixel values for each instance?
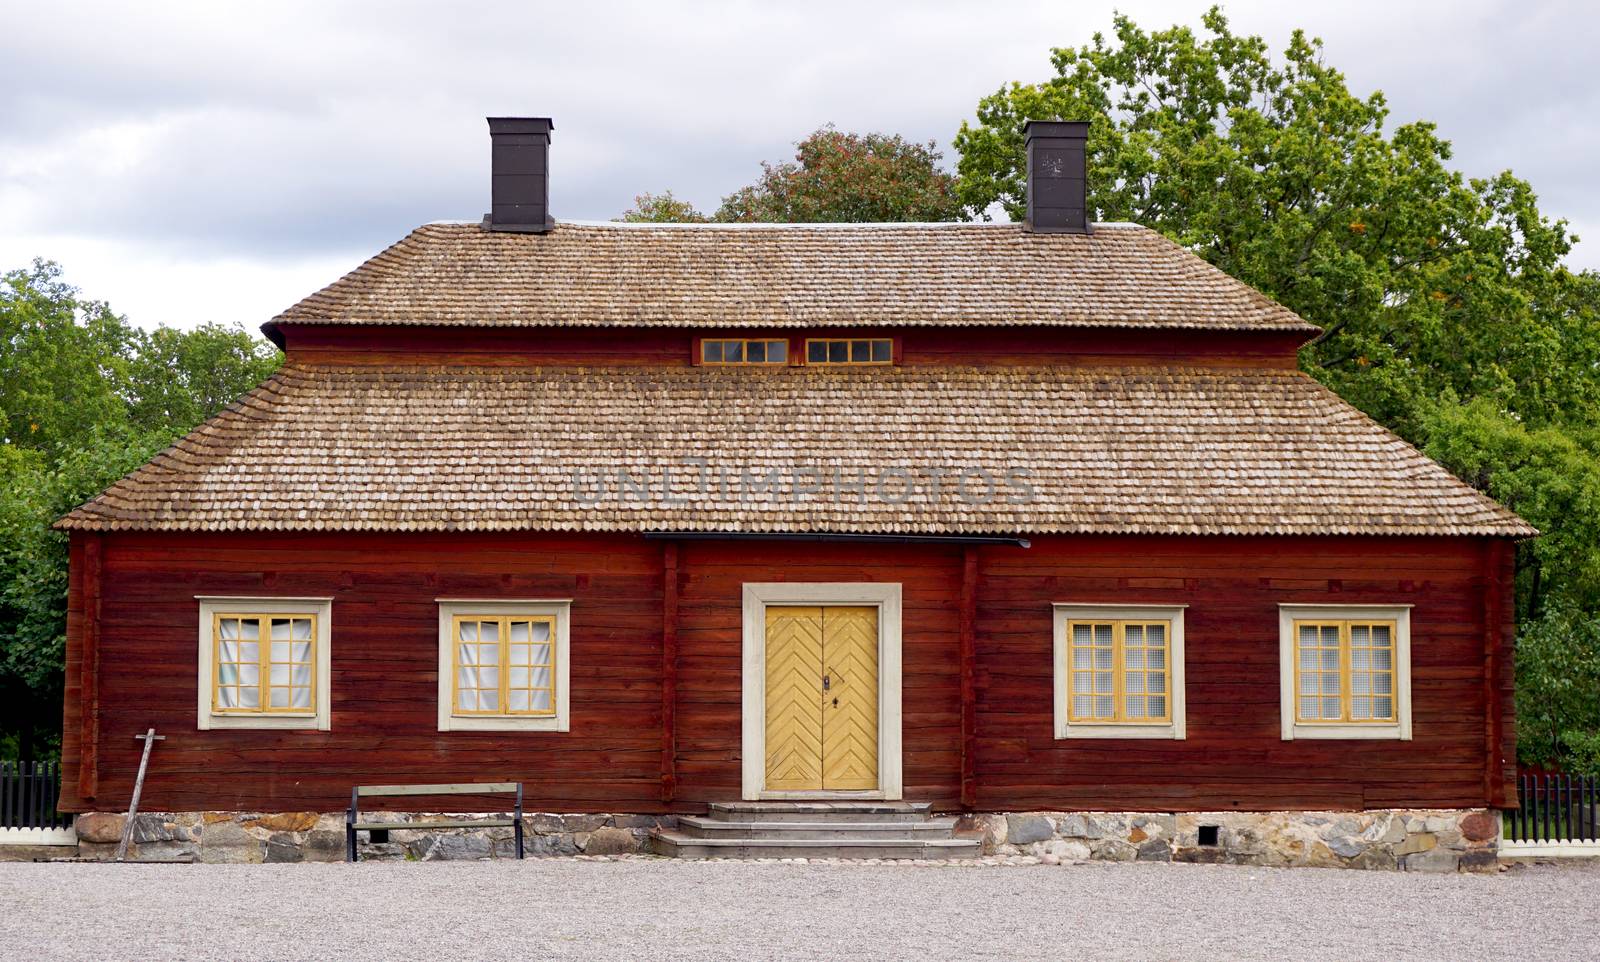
(250, 698)
(301, 699)
(228, 628)
(541, 655)
(1082, 658)
(467, 654)
(758, 352)
(1083, 681)
(1102, 682)
(519, 632)
(1330, 659)
(542, 701)
(816, 351)
(1133, 635)
(711, 351)
(469, 631)
(860, 352)
(250, 629)
(1383, 684)
(1136, 706)
(733, 351)
(1158, 706)
(1156, 681)
(302, 651)
(229, 650)
(777, 350)
(1383, 707)
(488, 699)
(1330, 708)
(1104, 708)
(250, 651)
(488, 677)
(466, 700)
(519, 654)
(838, 352)
(1308, 708)
(882, 350)
(467, 678)
(280, 698)
(301, 675)
(228, 697)
(250, 674)
(280, 649)
(1133, 657)
(1134, 683)
(279, 675)
(517, 700)
(228, 674)
(1082, 706)
(541, 678)
(280, 629)
(517, 678)
(1310, 684)
(541, 631)
(1156, 657)
(489, 631)
(1360, 708)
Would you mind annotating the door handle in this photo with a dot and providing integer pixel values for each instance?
(827, 682)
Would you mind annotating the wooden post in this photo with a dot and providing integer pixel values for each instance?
(969, 665)
(149, 738)
(1495, 562)
(669, 670)
(89, 670)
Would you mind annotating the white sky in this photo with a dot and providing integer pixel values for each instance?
(213, 161)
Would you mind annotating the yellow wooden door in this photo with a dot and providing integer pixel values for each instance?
(850, 703)
(794, 699)
(822, 699)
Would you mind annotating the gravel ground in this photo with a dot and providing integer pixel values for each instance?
(641, 909)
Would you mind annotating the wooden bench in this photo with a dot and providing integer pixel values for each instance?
(353, 824)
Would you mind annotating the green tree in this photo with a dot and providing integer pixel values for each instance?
(1446, 308)
(846, 177)
(84, 398)
(662, 208)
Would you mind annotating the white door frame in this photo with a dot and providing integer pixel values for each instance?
(758, 596)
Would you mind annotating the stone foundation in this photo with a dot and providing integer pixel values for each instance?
(319, 837)
(1449, 840)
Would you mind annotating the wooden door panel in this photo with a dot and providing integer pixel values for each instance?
(850, 706)
(794, 699)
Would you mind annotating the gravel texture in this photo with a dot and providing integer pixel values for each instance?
(638, 909)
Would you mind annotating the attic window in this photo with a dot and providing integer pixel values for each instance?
(832, 350)
(744, 351)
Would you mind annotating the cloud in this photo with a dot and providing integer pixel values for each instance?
(247, 150)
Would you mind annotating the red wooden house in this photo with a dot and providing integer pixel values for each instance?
(997, 517)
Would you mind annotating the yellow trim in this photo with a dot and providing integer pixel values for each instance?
(503, 664)
(264, 663)
(869, 341)
(746, 341)
(1119, 670)
(1347, 672)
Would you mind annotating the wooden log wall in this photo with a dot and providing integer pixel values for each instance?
(656, 667)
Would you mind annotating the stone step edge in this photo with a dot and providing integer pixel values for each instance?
(932, 825)
(951, 843)
(842, 807)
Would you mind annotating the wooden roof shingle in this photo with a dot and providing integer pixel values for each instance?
(788, 276)
(1100, 450)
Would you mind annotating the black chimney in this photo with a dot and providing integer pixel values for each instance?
(1057, 201)
(520, 175)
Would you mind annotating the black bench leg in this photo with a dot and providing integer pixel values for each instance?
(517, 829)
(349, 843)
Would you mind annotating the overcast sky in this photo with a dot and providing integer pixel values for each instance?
(209, 161)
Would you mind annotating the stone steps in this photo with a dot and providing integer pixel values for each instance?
(814, 830)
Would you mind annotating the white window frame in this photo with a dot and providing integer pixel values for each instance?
(1400, 728)
(1066, 612)
(318, 719)
(558, 608)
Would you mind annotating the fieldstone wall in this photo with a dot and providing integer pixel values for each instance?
(319, 837)
(1451, 840)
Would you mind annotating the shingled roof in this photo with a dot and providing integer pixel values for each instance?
(790, 275)
(1157, 451)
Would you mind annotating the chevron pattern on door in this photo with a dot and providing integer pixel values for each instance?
(794, 699)
(850, 706)
(822, 699)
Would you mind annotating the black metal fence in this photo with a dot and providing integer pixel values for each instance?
(28, 795)
(1555, 808)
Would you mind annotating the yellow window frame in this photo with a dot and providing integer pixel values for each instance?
(264, 621)
(504, 665)
(849, 341)
(1347, 673)
(1119, 670)
(745, 351)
